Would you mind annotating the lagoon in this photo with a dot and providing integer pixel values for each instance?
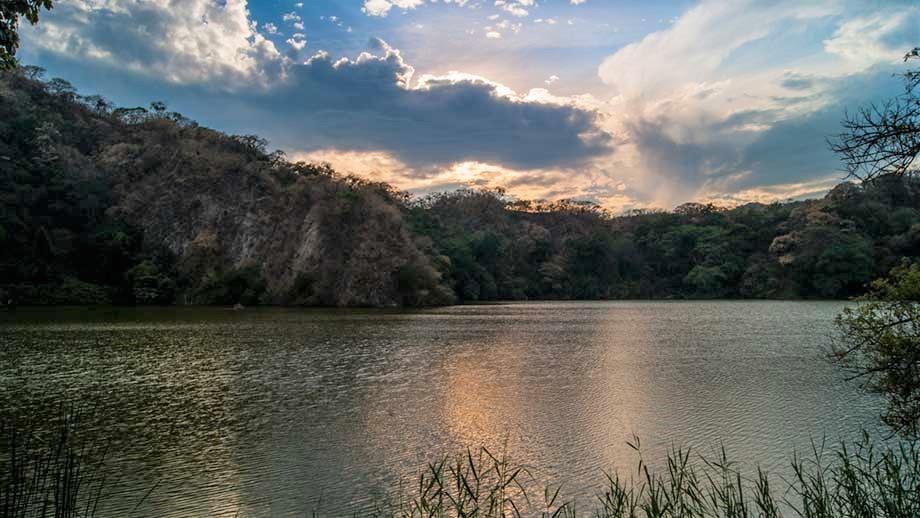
(273, 411)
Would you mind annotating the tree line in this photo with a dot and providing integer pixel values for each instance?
(64, 239)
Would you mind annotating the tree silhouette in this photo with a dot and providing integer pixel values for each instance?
(884, 138)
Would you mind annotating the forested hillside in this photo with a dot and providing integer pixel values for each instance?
(826, 248)
(143, 206)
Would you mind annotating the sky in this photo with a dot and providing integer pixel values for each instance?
(628, 104)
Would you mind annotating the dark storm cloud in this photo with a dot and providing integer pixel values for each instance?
(366, 104)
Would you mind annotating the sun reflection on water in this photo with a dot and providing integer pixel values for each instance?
(287, 411)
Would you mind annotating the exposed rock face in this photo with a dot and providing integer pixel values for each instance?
(313, 238)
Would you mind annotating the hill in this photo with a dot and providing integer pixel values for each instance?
(114, 205)
(138, 206)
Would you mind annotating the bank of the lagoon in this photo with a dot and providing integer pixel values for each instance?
(285, 411)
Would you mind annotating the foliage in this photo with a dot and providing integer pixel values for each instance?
(236, 286)
(858, 479)
(68, 291)
(10, 11)
(59, 468)
(149, 285)
(96, 194)
(59, 473)
(879, 342)
(60, 243)
(829, 248)
(420, 285)
(884, 139)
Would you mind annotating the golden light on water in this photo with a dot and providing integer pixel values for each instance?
(478, 408)
(276, 411)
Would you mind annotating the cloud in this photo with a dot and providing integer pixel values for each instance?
(525, 184)
(382, 7)
(375, 103)
(202, 41)
(710, 107)
(514, 7)
(797, 81)
(503, 25)
(731, 100)
(297, 42)
(794, 149)
(881, 36)
(701, 41)
(754, 153)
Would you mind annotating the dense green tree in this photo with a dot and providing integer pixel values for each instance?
(879, 342)
(149, 285)
(236, 286)
(10, 12)
(828, 248)
(72, 168)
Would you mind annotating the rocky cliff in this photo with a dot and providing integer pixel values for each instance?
(219, 207)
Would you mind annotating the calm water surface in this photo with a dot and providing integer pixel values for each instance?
(283, 411)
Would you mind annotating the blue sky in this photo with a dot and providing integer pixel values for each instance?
(629, 104)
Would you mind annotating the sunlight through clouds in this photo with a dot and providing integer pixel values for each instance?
(658, 105)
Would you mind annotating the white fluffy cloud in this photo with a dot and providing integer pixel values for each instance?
(202, 41)
(698, 44)
(297, 42)
(382, 7)
(515, 7)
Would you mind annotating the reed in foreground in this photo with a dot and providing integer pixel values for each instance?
(49, 473)
(854, 480)
(56, 474)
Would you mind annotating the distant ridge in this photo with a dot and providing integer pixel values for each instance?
(138, 206)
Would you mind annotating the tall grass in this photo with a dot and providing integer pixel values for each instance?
(57, 474)
(854, 480)
(54, 473)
